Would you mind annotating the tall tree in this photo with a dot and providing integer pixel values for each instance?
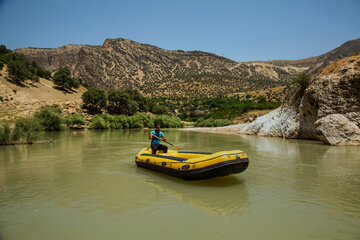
(63, 79)
(18, 71)
(94, 100)
(122, 102)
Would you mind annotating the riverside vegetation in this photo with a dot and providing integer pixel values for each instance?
(205, 112)
(115, 109)
(30, 129)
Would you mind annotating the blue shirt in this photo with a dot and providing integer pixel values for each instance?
(154, 140)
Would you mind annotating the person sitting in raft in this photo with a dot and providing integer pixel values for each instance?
(155, 142)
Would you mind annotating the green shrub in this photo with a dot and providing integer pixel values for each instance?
(121, 121)
(234, 110)
(75, 120)
(94, 100)
(132, 107)
(183, 116)
(159, 109)
(303, 79)
(17, 134)
(5, 134)
(138, 120)
(63, 79)
(1, 65)
(212, 122)
(98, 122)
(142, 102)
(121, 102)
(49, 118)
(134, 123)
(143, 120)
(168, 122)
(261, 99)
(18, 71)
(35, 78)
(27, 130)
(43, 73)
(3, 49)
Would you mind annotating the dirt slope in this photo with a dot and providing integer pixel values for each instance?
(24, 100)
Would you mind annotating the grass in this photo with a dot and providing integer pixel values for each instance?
(26, 131)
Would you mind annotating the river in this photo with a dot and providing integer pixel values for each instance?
(85, 185)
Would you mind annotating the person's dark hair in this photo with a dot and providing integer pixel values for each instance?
(157, 125)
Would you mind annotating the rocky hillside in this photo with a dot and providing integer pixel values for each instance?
(121, 63)
(328, 109)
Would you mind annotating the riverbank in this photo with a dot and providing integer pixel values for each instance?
(231, 129)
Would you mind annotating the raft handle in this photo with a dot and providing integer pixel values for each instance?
(185, 167)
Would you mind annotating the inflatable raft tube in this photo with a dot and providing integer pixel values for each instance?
(189, 165)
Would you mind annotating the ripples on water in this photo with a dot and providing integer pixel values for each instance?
(86, 185)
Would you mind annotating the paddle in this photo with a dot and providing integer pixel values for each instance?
(165, 141)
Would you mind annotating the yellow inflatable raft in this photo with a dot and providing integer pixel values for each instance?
(193, 165)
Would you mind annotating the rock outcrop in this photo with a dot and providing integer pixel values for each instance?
(336, 129)
(328, 109)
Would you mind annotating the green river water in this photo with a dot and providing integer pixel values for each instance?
(85, 185)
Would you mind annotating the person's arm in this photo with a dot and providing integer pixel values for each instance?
(149, 134)
(163, 137)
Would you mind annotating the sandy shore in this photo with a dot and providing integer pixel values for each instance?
(231, 129)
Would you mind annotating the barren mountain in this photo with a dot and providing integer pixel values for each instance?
(348, 49)
(121, 63)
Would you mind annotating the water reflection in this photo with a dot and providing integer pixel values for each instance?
(219, 196)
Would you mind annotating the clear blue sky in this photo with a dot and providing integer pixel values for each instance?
(239, 30)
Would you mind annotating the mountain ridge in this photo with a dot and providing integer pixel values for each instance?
(121, 63)
(347, 49)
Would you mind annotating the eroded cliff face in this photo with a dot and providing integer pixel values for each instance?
(282, 122)
(328, 109)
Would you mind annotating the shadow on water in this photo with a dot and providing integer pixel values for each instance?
(212, 182)
(222, 196)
